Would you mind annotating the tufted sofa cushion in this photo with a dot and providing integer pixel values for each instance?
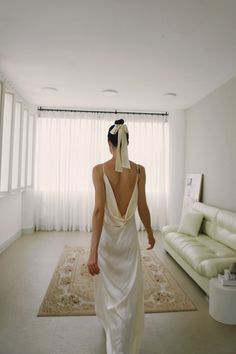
(226, 228)
(205, 255)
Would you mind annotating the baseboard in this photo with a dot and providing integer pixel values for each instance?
(14, 237)
(8, 242)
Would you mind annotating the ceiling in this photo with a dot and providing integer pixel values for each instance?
(142, 49)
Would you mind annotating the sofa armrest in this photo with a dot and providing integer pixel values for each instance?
(211, 267)
(169, 228)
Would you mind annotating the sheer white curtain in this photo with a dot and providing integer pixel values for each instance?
(69, 144)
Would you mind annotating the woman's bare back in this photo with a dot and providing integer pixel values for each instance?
(122, 183)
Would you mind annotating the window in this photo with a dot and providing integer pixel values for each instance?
(68, 145)
(16, 142)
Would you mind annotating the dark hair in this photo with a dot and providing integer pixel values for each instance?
(113, 138)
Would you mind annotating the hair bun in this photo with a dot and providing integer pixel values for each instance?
(119, 121)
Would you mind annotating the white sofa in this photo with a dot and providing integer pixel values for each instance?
(211, 251)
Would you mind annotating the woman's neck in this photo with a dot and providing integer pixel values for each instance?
(113, 154)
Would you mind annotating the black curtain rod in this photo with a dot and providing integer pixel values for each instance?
(111, 112)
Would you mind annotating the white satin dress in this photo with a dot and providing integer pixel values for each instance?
(119, 302)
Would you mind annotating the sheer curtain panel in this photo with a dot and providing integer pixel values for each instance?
(69, 144)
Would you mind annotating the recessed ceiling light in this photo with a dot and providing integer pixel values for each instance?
(49, 89)
(110, 92)
(173, 94)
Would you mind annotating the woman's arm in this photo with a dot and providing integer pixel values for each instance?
(97, 220)
(143, 208)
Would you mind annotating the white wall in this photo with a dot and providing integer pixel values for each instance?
(16, 216)
(27, 210)
(10, 218)
(211, 145)
(176, 165)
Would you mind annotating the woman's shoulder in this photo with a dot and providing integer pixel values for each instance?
(98, 169)
(137, 165)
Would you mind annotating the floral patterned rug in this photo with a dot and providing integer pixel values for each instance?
(71, 290)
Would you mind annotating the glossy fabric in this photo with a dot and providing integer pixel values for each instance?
(119, 285)
(122, 159)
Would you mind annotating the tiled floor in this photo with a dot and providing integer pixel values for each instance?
(26, 268)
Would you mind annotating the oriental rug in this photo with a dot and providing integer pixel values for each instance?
(71, 289)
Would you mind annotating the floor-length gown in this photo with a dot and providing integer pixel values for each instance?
(119, 285)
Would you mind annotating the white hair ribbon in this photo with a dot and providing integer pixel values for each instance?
(122, 159)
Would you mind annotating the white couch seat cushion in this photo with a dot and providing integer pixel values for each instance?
(218, 248)
(202, 253)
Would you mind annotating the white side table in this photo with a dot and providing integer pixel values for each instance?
(222, 302)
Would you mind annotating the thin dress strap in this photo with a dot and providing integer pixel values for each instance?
(103, 169)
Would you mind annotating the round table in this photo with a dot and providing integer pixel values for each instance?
(222, 302)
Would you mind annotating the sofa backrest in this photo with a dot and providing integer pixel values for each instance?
(218, 224)
(226, 228)
(209, 222)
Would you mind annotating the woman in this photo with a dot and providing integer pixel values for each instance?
(115, 253)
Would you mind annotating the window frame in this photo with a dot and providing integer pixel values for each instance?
(1, 124)
(20, 146)
(28, 150)
(11, 142)
(22, 188)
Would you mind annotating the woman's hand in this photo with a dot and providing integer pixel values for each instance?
(151, 241)
(93, 267)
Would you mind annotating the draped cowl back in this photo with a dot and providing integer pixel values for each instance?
(112, 214)
(119, 285)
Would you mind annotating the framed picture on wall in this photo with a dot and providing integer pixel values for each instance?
(192, 191)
